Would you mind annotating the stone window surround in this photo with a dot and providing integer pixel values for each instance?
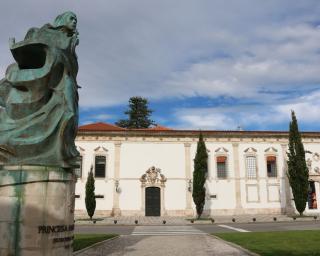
(271, 151)
(316, 181)
(210, 175)
(277, 166)
(227, 166)
(81, 166)
(221, 151)
(82, 154)
(101, 151)
(251, 152)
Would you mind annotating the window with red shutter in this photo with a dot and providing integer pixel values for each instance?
(221, 167)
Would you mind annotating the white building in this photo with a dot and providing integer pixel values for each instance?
(149, 171)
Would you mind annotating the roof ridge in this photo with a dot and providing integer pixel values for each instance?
(100, 126)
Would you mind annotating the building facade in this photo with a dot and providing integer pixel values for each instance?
(148, 172)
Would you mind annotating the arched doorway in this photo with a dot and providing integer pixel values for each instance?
(153, 201)
(152, 192)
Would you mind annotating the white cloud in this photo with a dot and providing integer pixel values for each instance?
(307, 109)
(101, 116)
(93, 118)
(87, 122)
(206, 121)
(286, 58)
(167, 49)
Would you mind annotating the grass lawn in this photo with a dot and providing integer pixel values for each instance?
(84, 240)
(284, 243)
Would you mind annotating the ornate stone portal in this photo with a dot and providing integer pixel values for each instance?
(153, 178)
(38, 125)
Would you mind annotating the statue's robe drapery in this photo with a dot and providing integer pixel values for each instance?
(39, 100)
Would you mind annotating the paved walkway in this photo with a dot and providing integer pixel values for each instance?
(166, 231)
(188, 245)
(177, 237)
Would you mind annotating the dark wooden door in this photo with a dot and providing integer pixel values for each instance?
(152, 201)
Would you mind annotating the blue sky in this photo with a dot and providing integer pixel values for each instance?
(201, 64)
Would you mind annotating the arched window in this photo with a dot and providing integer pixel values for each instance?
(100, 162)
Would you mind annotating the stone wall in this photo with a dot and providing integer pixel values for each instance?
(37, 211)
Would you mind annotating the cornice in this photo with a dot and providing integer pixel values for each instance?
(195, 134)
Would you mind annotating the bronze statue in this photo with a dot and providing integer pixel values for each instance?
(39, 97)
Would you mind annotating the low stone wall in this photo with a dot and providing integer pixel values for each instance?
(81, 214)
(243, 211)
(37, 210)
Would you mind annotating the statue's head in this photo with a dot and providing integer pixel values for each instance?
(67, 20)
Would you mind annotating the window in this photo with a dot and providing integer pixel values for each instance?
(100, 166)
(222, 167)
(78, 171)
(272, 166)
(312, 198)
(251, 167)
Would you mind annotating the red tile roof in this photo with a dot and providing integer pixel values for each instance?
(109, 127)
(155, 128)
(100, 127)
(161, 130)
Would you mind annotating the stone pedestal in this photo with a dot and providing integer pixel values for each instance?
(116, 212)
(36, 210)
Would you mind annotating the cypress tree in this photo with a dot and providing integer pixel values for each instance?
(138, 114)
(90, 199)
(298, 173)
(200, 175)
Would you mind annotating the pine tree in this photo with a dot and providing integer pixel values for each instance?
(200, 175)
(90, 199)
(298, 173)
(138, 114)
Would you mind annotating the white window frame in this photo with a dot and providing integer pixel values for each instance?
(249, 177)
(100, 151)
(276, 165)
(226, 166)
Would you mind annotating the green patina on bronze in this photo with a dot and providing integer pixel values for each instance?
(39, 97)
(16, 176)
